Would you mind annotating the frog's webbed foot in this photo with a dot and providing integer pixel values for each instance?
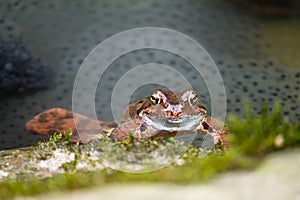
(118, 135)
(137, 129)
(124, 129)
(215, 129)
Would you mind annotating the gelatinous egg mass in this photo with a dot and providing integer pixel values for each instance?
(55, 36)
(20, 73)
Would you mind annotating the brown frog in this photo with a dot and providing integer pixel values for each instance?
(163, 114)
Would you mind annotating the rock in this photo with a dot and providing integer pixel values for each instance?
(58, 120)
(277, 178)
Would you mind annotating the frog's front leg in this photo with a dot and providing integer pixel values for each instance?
(122, 131)
(215, 129)
(135, 127)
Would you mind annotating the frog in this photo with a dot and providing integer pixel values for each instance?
(167, 113)
(162, 114)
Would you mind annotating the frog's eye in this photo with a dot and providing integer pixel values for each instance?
(193, 99)
(155, 100)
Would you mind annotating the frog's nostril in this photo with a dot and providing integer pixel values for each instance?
(173, 114)
(169, 113)
(176, 114)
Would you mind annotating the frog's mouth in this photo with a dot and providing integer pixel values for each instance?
(171, 124)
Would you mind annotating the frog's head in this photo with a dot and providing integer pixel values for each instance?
(172, 111)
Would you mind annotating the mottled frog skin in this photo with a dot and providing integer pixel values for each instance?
(167, 113)
(162, 114)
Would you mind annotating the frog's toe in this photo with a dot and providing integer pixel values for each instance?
(118, 135)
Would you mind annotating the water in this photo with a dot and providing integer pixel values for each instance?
(253, 53)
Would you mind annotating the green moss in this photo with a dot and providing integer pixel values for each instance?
(258, 135)
(251, 137)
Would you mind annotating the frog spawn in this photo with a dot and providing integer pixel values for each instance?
(20, 73)
(231, 36)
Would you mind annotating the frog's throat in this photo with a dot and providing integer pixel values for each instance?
(184, 124)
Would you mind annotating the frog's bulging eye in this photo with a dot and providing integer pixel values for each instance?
(155, 100)
(193, 99)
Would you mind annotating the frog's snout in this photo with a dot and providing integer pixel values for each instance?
(173, 110)
(173, 113)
